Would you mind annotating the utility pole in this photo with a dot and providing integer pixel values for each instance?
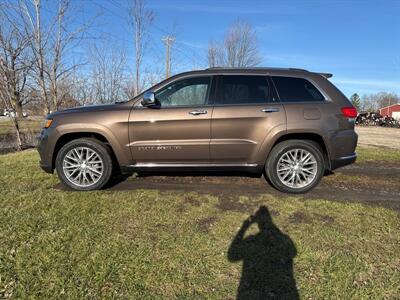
(168, 40)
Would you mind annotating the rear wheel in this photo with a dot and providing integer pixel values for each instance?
(84, 164)
(295, 166)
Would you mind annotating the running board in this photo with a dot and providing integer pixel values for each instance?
(189, 168)
(155, 165)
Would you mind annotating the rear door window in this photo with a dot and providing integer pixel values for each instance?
(242, 89)
(292, 89)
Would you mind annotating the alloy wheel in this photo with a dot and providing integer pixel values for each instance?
(83, 166)
(297, 168)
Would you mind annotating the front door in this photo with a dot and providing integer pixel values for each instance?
(244, 113)
(178, 131)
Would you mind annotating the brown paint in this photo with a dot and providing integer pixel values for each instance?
(230, 135)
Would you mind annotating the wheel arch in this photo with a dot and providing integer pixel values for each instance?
(70, 136)
(301, 135)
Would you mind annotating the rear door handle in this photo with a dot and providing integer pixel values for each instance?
(270, 110)
(198, 112)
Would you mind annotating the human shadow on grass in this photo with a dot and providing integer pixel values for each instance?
(267, 256)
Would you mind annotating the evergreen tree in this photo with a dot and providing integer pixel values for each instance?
(356, 101)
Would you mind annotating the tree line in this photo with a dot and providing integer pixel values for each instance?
(50, 60)
(373, 102)
(42, 71)
(39, 67)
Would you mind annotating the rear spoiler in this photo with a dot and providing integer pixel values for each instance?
(326, 75)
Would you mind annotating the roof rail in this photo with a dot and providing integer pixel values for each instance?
(326, 75)
(298, 69)
(255, 68)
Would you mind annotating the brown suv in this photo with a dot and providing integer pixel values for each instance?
(291, 124)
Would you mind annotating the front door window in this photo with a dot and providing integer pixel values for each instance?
(186, 92)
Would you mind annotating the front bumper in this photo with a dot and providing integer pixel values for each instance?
(46, 162)
(343, 161)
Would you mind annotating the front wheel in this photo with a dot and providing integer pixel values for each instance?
(84, 164)
(295, 166)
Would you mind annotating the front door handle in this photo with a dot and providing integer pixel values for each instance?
(198, 112)
(270, 110)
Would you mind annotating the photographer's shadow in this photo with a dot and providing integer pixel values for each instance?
(267, 260)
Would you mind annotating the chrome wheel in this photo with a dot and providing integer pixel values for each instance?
(83, 166)
(297, 168)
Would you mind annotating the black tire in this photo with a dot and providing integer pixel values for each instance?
(94, 145)
(279, 150)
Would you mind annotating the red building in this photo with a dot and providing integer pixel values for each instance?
(391, 111)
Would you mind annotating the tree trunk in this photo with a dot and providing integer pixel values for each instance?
(17, 105)
(54, 97)
(18, 133)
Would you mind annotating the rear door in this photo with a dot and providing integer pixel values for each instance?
(178, 132)
(245, 111)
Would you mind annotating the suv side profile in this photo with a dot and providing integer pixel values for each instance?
(291, 125)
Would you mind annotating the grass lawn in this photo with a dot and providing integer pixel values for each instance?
(30, 125)
(147, 244)
(365, 154)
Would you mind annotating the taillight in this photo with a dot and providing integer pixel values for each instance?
(349, 112)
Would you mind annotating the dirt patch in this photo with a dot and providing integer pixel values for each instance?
(192, 200)
(326, 219)
(231, 203)
(368, 182)
(205, 224)
(385, 169)
(299, 217)
(181, 208)
(126, 226)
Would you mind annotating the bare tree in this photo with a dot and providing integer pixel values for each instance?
(108, 76)
(6, 97)
(215, 55)
(14, 65)
(140, 18)
(50, 45)
(373, 102)
(238, 49)
(65, 39)
(81, 87)
(33, 27)
(14, 57)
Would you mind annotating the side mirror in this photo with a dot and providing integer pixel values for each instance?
(149, 99)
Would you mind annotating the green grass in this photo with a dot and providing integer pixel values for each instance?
(148, 244)
(26, 125)
(377, 154)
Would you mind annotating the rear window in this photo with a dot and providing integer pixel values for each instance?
(291, 89)
(243, 89)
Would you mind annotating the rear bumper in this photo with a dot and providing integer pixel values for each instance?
(342, 146)
(343, 161)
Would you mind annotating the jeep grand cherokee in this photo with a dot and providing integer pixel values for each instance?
(291, 125)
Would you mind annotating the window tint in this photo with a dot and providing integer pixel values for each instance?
(243, 89)
(293, 89)
(191, 92)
